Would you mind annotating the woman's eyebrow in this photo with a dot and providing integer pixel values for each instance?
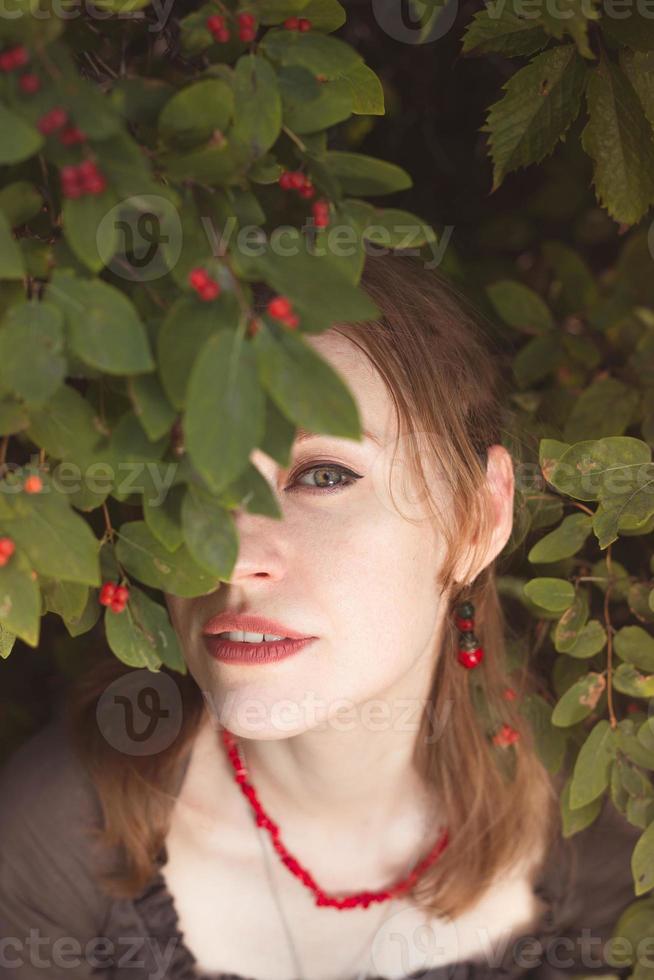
(303, 434)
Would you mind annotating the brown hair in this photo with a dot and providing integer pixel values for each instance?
(499, 803)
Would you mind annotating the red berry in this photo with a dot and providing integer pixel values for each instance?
(7, 548)
(52, 120)
(198, 277)
(291, 321)
(215, 22)
(33, 484)
(279, 307)
(107, 593)
(505, 736)
(247, 19)
(116, 605)
(307, 191)
(247, 34)
(6, 61)
(121, 594)
(291, 23)
(20, 56)
(304, 24)
(96, 184)
(209, 291)
(29, 83)
(71, 134)
(296, 179)
(87, 168)
(509, 694)
(285, 180)
(320, 211)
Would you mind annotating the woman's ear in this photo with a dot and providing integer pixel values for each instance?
(500, 479)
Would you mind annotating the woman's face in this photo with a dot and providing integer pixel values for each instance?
(342, 565)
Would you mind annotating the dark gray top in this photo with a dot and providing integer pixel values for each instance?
(55, 921)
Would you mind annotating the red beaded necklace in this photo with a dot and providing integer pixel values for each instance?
(364, 898)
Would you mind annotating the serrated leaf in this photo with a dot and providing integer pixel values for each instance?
(619, 140)
(539, 105)
(571, 17)
(499, 29)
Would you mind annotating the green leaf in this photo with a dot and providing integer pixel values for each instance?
(7, 641)
(188, 325)
(164, 519)
(394, 228)
(538, 358)
(589, 641)
(554, 594)
(331, 104)
(636, 646)
(93, 239)
(66, 426)
(32, 363)
(595, 468)
(321, 54)
(209, 533)
(151, 406)
(224, 418)
(566, 540)
(540, 103)
(498, 29)
(618, 138)
(361, 174)
(194, 112)
(12, 265)
(579, 700)
(67, 599)
(305, 386)
(642, 861)
(550, 742)
(104, 329)
(142, 636)
(20, 201)
(20, 600)
(147, 560)
(571, 17)
(572, 620)
(325, 15)
(258, 105)
(519, 306)
(575, 820)
(590, 776)
(578, 289)
(18, 140)
(57, 541)
(630, 681)
(364, 88)
(604, 408)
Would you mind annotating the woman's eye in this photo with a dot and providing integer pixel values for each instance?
(323, 471)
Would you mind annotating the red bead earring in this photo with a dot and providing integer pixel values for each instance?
(470, 652)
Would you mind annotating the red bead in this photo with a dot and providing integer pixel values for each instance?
(470, 658)
(465, 625)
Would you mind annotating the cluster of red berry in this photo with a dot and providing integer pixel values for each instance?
(297, 24)
(505, 736)
(114, 596)
(295, 180)
(7, 548)
(206, 287)
(280, 308)
(247, 27)
(55, 121)
(82, 178)
(13, 58)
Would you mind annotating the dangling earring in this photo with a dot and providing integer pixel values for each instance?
(470, 652)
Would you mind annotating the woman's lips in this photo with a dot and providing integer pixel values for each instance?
(240, 652)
